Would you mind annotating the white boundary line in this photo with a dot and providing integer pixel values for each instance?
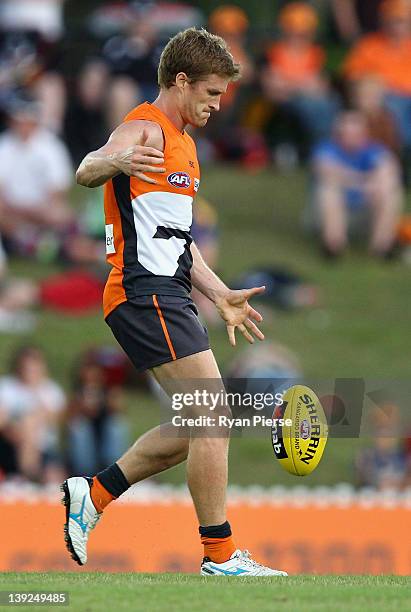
(340, 496)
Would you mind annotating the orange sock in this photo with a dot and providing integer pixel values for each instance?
(218, 550)
(99, 495)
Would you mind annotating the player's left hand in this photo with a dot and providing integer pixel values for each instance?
(234, 308)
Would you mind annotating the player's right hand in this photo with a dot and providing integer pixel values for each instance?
(139, 159)
(235, 310)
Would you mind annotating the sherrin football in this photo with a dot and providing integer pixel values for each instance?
(299, 447)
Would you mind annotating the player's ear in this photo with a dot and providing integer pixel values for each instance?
(182, 80)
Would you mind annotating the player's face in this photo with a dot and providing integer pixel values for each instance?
(203, 98)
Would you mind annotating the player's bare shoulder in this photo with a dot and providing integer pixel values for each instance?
(155, 136)
(138, 132)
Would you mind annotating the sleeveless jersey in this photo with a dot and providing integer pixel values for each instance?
(148, 226)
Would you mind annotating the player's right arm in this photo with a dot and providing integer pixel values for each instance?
(232, 305)
(134, 148)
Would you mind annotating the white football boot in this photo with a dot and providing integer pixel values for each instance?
(81, 516)
(239, 564)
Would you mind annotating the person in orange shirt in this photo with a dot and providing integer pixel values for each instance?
(227, 132)
(231, 22)
(294, 75)
(387, 55)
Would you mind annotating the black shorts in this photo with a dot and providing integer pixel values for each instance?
(156, 329)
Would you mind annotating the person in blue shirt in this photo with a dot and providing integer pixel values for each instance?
(357, 186)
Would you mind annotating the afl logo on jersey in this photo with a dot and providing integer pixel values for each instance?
(179, 179)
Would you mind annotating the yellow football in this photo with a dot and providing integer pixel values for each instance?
(300, 431)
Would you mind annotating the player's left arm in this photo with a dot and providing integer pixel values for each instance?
(232, 305)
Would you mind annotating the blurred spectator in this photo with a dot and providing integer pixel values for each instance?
(19, 65)
(2, 261)
(386, 54)
(356, 187)
(30, 408)
(16, 295)
(49, 89)
(228, 131)
(205, 230)
(231, 22)
(85, 127)
(74, 292)
(88, 246)
(24, 67)
(294, 77)
(354, 17)
(35, 175)
(132, 59)
(265, 361)
(109, 18)
(42, 16)
(383, 465)
(205, 234)
(367, 96)
(29, 55)
(263, 368)
(97, 432)
(407, 482)
(283, 289)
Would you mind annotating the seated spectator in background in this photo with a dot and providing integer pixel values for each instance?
(386, 54)
(44, 17)
(72, 292)
(88, 246)
(132, 59)
(266, 368)
(367, 96)
(354, 17)
(231, 22)
(16, 295)
(265, 361)
(35, 175)
(85, 125)
(3, 261)
(97, 432)
(31, 30)
(283, 288)
(407, 482)
(232, 137)
(356, 186)
(19, 65)
(383, 465)
(31, 405)
(205, 234)
(294, 76)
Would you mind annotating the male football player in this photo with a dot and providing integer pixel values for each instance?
(147, 302)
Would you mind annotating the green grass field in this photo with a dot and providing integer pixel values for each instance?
(179, 592)
(359, 329)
